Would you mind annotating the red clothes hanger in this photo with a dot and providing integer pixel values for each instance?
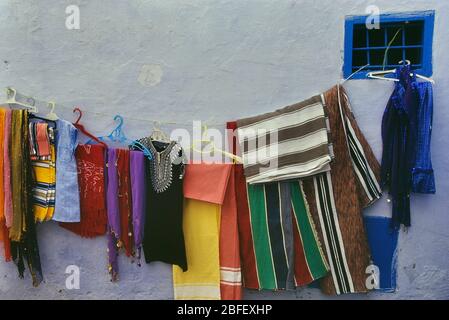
(80, 127)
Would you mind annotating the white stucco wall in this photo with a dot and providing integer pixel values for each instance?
(217, 60)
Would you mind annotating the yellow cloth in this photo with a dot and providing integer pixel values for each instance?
(44, 194)
(201, 233)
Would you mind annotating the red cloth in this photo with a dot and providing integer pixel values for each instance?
(90, 160)
(247, 254)
(124, 198)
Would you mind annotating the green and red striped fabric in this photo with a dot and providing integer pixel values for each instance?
(279, 245)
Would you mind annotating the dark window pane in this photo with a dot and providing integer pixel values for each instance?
(394, 56)
(375, 68)
(376, 57)
(376, 37)
(359, 40)
(413, 33)
(359, 58)
(392, 32)
(414, 55)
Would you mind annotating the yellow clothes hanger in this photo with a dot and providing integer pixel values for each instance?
(204, 139)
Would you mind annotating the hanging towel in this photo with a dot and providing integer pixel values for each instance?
(24, 245)
(7, 170)
(124, 198)
(138, 188)
(278, 242)
(288, 143)
(383, 242)
(210, 229)
(67, 206)
(230, 264)
(91, 179)
(336, 198)
(287, 253)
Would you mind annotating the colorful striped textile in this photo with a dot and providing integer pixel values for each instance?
(43, 162)
(288, 143)
(336, 198)
(383, 241)
(332, 234)
(273, 209)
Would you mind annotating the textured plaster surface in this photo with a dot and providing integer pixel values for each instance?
(179, 61)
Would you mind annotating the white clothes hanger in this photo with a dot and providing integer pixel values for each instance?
(52, 115)
(11, 98)
(159, 135)
(380, 74)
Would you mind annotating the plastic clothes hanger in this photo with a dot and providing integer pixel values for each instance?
(80, 127)
(52, 115)
(204, 139)
(158, 134)
(381, 74)
(11, 95)
(117, 135)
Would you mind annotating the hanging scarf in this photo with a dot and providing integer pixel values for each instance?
(7, 170)
(336, 198)
(113, 209)
(4, 234)
(24, 245)
(125, 201)
(138, 185)
(2, 155)
(18, 160)
(4, 237)
(91, 179)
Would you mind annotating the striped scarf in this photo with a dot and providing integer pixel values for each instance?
(337, 198)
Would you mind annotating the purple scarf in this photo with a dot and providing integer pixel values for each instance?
(113, 213)
(137, 171)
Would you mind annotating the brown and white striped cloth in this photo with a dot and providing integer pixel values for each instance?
(288, 143)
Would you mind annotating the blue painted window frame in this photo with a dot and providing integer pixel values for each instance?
(428, 18)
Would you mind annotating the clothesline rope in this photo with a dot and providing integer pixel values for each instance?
(44, 104)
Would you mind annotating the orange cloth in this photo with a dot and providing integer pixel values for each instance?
(230, 272)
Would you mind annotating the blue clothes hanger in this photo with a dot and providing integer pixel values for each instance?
(117, 135)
